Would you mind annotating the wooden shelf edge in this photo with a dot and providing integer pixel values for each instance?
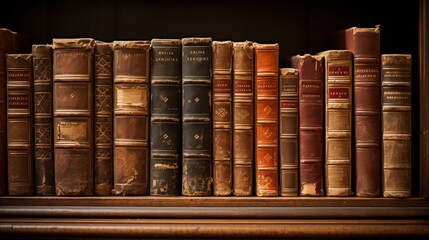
(122, 228)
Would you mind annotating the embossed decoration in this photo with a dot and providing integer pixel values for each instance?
(43, 153)
(196, 136)
(221, 112)
(43, 103)
(264, 181)
(267, 110)
(103, 65)
(197, 99)
(42, 69)
(242, 114)
(165, 99)
(103, 101)
(165, 136)
(103, 132)
(43, 134)
(268, 157)
(103, 153)
(267, 133)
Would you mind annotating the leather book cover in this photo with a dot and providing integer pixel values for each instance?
(131, 117)
(267, 119)
(365, 45)
(166, 98)
(196, 117)
(43, 131)
(6, 46)
(289, 123)
(73, 116)
(311, 70)
(20, 124)
(243, 124)
(338, 122)
(396, 124)
(222, 118)
(103, 76)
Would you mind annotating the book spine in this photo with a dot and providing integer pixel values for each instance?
(311, 124)
(6, 46)
(73, 116)
(267, 114)
(222, 118)
(365, 45)
(196, 117)
(166, 79)
(338, 122)
(396, 124)
(103, 60)
(43, 131)
(131, 117)
(19, 124)
(243, 118)
(289, 123)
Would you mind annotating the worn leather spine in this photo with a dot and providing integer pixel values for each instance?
(131, 117)
(73, 116)
(396, 124)
(196, 117)
(20, 124)
(165, 144)
(43, 130)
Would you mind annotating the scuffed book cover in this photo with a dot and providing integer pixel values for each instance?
(43, 131)
(311, 123)
(73, 116)
(131, 117)
(222, 118)
(166, 79)
(396, 124)
(243, 124)
(103, 61)
(196, 117)
(19, 124)
(6, 46)
(338, 122)
(365, 45)
(289, 123)
(267, 118)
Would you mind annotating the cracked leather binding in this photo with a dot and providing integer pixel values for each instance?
(267, 118)
(311, 70)
(196, 117)
(103, 60)
(73, 116)
(131, 117)
(396, 124)
(289, 132)
(20, 124)
(222, 118)
(43, 130)
(165, 77)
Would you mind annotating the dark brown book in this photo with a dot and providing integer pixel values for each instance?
(166, 99)
(222, 118)
(365, 45)
(131, 117)
(396, 122)
(311, 123)
(43, 131)
(20, 124)
(73, 116)
(6, 46)
(243, 124)
(338, 122)
(103, 176)
(196, 117)
(267, 119)
(289, 122)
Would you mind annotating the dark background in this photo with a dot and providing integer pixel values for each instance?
(298, 26)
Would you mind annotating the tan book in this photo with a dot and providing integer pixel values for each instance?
(73, 116)
(131, 117)
(243, 120)
(222, 118)
(338, 122)
(20, 124)
(396, 124)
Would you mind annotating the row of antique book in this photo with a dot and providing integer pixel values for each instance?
(198, 117)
